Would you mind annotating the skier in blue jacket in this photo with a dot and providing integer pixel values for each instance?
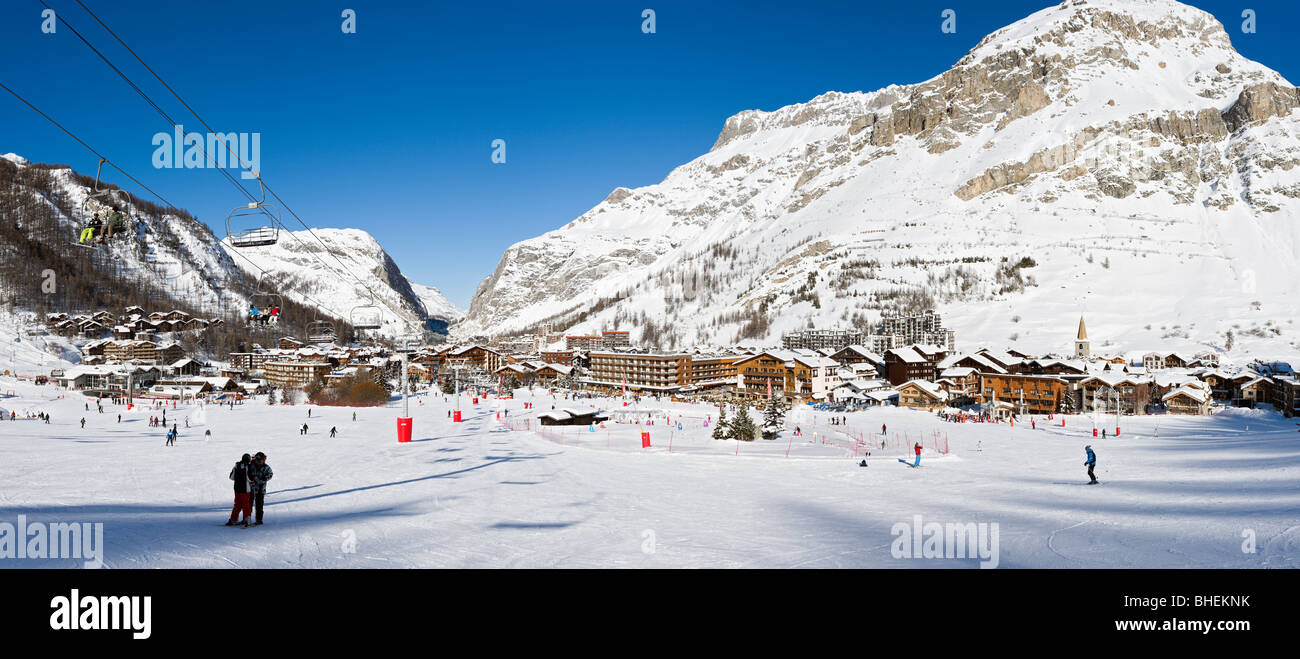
(1090, 462)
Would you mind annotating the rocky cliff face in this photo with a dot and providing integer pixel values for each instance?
(1128, 132)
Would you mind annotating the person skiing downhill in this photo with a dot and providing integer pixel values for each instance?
(918, 455)
(1090, 461)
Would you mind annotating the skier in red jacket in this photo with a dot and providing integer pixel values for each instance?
(918, 456)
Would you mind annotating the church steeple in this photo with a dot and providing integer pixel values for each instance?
(1082, 346)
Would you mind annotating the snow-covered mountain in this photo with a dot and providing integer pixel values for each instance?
(1111, 158)
(169, 249)
(173, 252)
(436, 305)
(301, 266)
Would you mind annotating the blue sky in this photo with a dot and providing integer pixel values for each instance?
(390, 129)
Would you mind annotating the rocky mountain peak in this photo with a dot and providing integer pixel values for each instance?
(834, 210)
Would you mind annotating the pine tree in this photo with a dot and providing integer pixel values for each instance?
(774, 418)
(271, 395)
(722, 429)
(743, 428)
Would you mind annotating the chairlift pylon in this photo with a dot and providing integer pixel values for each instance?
(255, 224)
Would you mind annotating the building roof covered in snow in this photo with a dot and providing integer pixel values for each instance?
(930, 388)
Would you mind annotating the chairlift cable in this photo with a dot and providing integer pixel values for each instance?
(374, 297)
(137, 181)
(208, 156)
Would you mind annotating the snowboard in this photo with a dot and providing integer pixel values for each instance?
(908, 463)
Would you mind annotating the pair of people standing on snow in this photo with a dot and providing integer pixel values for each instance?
(250, 475)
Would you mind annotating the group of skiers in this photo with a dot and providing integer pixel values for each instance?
(263, 316)
(250, 474)
(40, 416)
(115, 224)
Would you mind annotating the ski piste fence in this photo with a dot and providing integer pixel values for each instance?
(824, 440)
(858, 438)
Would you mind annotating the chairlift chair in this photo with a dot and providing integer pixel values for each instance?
(263, 298)
(99, 196)
(320, 331)
(367, 317)
(256, 224)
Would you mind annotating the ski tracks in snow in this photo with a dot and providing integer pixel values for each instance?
(1052, 536)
